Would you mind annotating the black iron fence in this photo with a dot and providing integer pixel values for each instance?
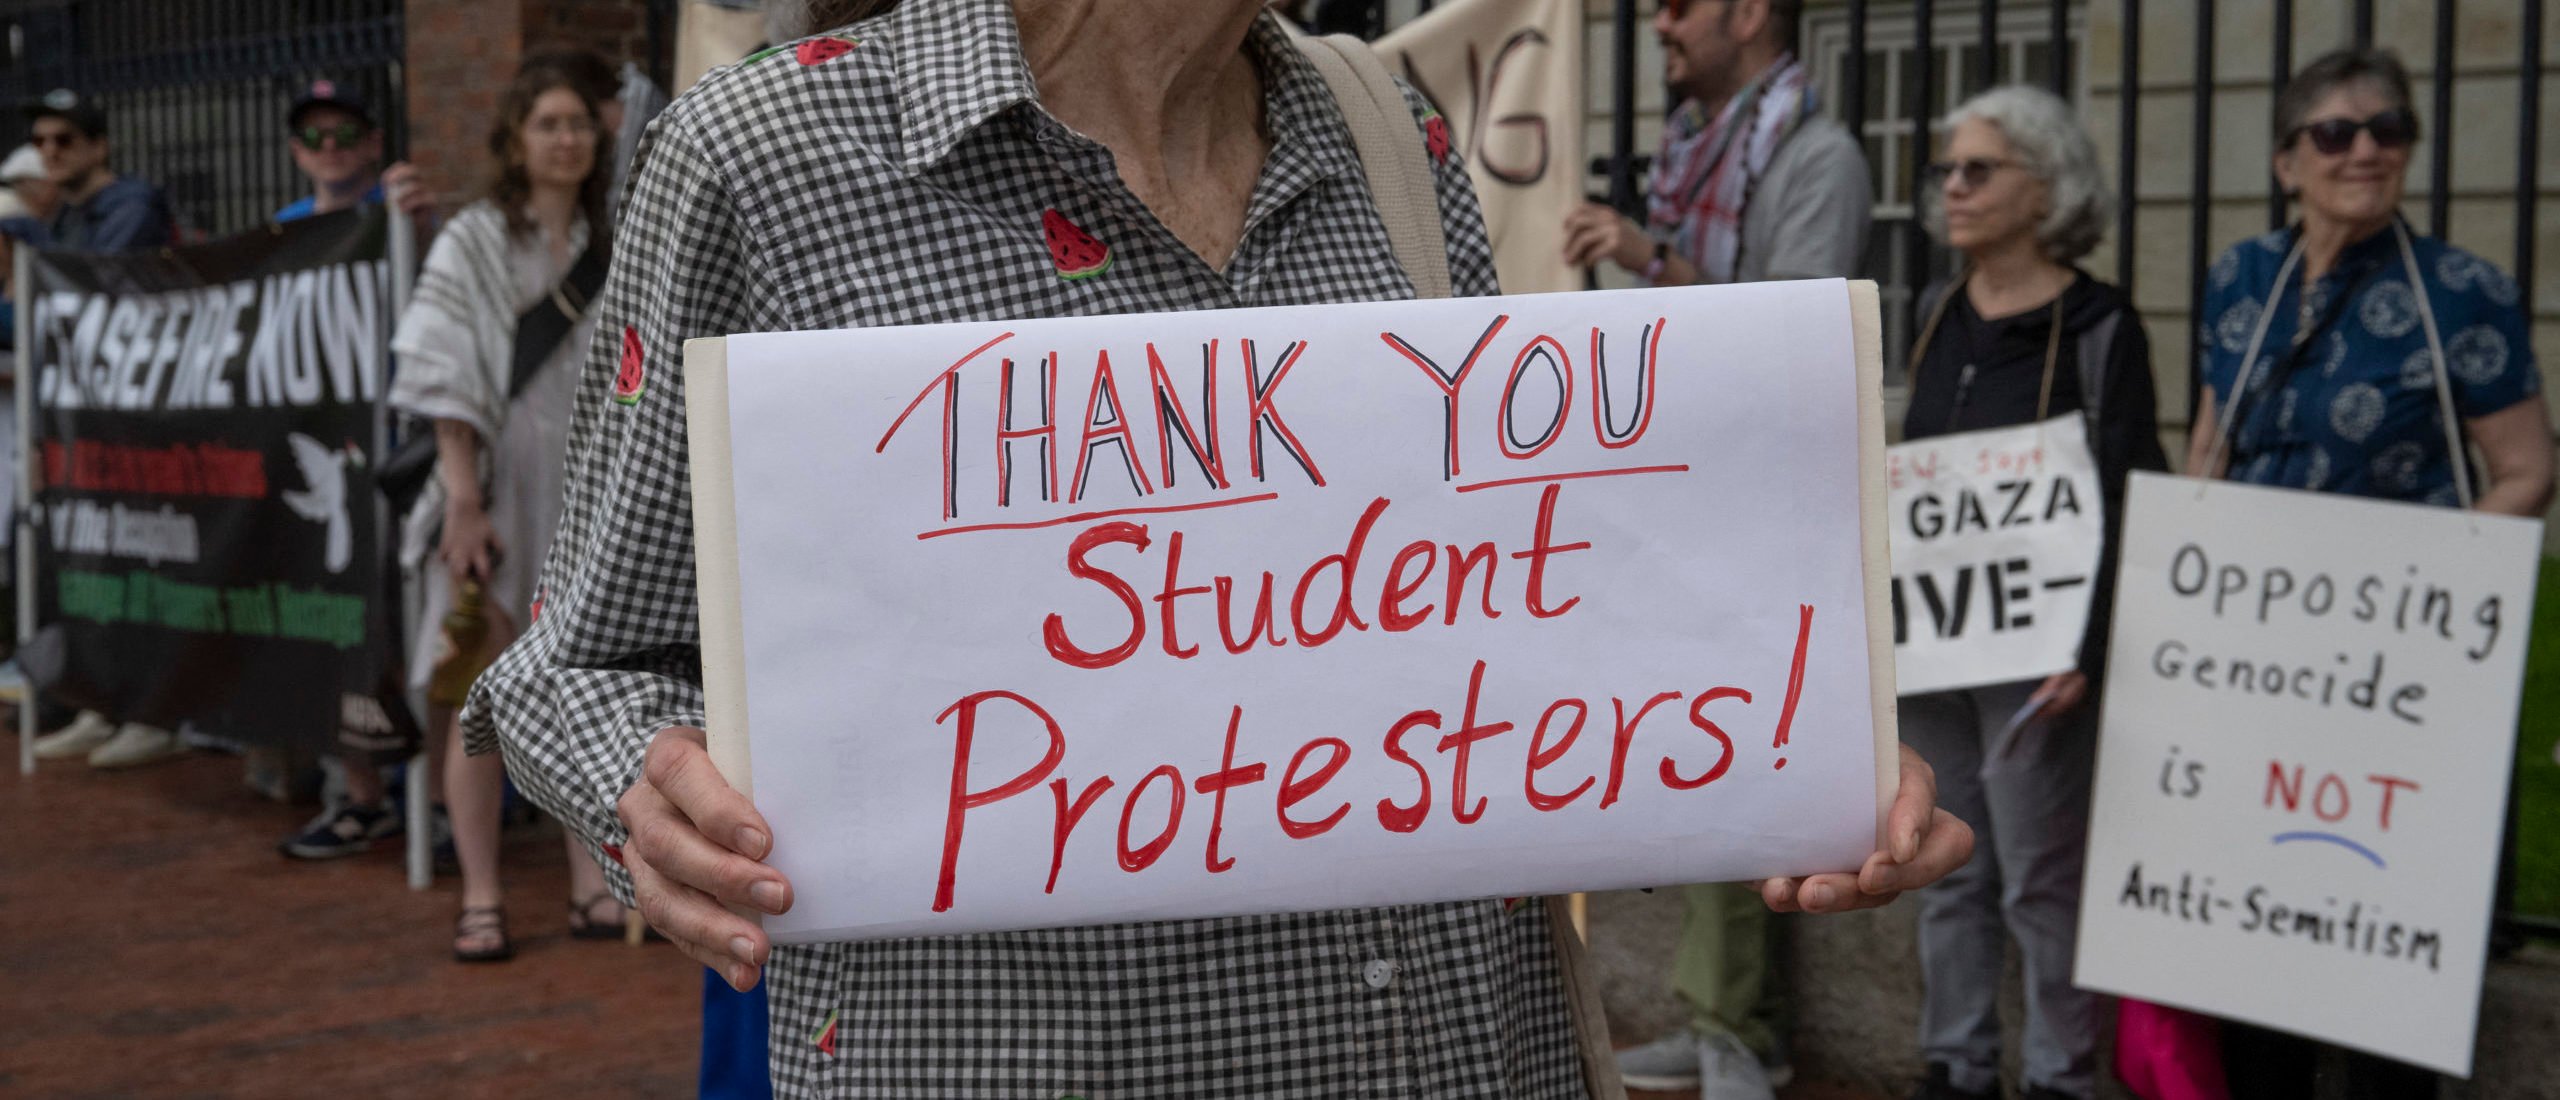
(196, 90)
(1892, 66)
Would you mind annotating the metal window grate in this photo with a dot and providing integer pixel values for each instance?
(195, 91)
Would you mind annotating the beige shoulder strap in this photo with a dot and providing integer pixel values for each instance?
(1582, 1001)
(1391, 152)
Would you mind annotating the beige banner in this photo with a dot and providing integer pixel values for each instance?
(1508, 75)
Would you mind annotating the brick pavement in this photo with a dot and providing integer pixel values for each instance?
(153, 944)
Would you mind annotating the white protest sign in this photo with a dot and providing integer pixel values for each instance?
(2310, 716)
(1082, 620)
(1995, 552)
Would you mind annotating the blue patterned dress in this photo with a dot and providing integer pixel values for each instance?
(2356, 411)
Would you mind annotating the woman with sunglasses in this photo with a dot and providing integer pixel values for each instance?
(2020, 336)
(2348, 354)
(2331, 320)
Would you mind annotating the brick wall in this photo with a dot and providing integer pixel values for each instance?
(461, 54)
(618, 29)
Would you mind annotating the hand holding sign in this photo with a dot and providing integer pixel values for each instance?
(2061, 692)
(1923, 844)
(681, 877)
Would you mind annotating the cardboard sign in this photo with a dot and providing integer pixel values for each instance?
(1099, 619)
(1995, 553)
(2310, 716)
(1508, 79)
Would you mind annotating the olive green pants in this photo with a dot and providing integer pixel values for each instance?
(1722, 966)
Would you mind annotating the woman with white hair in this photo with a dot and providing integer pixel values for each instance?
(2018, 336)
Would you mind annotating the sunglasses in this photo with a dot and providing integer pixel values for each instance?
(316, 138)
(2392, 129)
(1972, 172)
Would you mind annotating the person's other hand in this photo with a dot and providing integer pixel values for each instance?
(469, 544)
(405, 192)
(696, 847)
(1594, 232)
(1922, 845)
(2061, 691)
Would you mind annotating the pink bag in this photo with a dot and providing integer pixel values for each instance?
(2165, 1053)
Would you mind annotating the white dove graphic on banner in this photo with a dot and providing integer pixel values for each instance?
(325, 502)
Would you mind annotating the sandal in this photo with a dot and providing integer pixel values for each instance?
(479, 922)
(585, 925)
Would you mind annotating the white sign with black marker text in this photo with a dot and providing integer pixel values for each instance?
(2310, 717)
(1995, 550)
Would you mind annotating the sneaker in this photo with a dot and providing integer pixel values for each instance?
(1667, 1064)
(1940, 1085)
(81, 737)
(1728, 1070)
(197, 737)
(135, 744)
(351, 830)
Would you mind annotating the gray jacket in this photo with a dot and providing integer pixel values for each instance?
(1807, 216)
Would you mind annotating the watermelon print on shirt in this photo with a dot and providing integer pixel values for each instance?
(823, 49)
(630, 382)
(1076, 253)
(812, 51)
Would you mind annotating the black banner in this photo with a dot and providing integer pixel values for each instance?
(209, 544)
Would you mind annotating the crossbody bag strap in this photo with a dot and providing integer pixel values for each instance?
(1392, 154)
(540, 329)
(2097, 354)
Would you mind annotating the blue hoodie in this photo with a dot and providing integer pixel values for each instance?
(124, 215)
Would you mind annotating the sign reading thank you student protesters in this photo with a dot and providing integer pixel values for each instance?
(1098, 619)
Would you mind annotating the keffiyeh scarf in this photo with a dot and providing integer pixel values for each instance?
(1708, 167)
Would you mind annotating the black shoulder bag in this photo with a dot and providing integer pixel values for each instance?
(403, 476)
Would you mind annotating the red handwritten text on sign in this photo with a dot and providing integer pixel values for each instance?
(1177, 614)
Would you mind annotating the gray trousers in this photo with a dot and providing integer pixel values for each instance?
(2029, 809)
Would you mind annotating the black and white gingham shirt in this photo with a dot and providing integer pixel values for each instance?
(903, 182)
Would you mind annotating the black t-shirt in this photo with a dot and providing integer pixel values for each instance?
(2007, 356)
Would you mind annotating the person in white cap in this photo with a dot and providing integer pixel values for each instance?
(29, 200)
(30, 195)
